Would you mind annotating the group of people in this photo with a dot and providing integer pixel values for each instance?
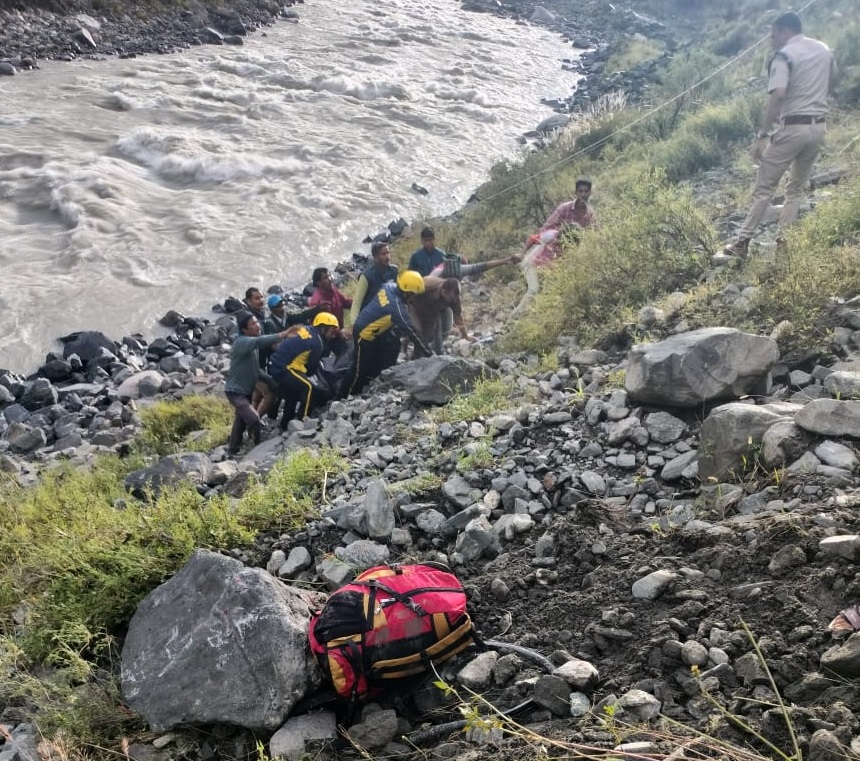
(277, 354)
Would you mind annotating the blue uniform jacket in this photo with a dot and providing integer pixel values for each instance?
(383, 311)
(300, 352)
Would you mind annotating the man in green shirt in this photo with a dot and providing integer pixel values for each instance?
(242, 377)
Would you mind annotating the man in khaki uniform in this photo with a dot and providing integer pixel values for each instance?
(802, 72)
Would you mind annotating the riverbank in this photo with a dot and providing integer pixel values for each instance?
(681, 554)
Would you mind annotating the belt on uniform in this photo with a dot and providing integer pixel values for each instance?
(803, 120)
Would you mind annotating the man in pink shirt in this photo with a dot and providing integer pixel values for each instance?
(544, 246)
(327, 295)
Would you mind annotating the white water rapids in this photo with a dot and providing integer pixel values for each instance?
(128, 188)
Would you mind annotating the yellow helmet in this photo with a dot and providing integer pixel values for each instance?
(410, 281)
(325, 318)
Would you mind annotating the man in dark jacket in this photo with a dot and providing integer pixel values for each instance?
(428, 257)
(296, 359)
(374, 327)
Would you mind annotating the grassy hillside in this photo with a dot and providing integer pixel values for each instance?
(667, 174)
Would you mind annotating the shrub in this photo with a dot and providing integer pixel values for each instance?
(166, 424)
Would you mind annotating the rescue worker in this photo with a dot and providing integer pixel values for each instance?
(295, 359)
(372, 331)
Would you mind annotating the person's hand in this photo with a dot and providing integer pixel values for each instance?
(515, 259)
(758, 148)
(347, 333)
(470, 339)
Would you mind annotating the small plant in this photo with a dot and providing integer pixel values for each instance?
(489, 395)
(480, 456)
(166, 424)
(423, 483)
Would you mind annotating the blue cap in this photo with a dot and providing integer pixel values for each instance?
(275, 300)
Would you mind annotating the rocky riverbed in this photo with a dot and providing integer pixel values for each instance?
(597, 517)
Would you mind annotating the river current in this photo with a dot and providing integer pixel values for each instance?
(130, 187)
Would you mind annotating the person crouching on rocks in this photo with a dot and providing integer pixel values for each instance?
(429, 310)
(295, 359)
(242, 378)
(371, 331)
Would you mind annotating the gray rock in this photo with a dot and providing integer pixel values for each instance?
(435, 380)
(40, 393)
(362, 553)
(824, 745)
(219, 643)
(475, 538)
(23, 438)
(477, 674)
(830, 417)
(593, 482)
(169, 471)
(334, 572)
(579, 674)
(732, 433)
(130, 388)
(650, 587)
(431, 522)
(843, 385)
(553, 693)
(375, 731)
(378, 510)
(16, 413)
(694, 653)
(640, 705)
(290, 740)
(843, 660)
(836, 455)
(782, 443)
(790, 556)
(700, 366)
(842, 546)
(459, 491)
(683, 466)
(663, 427)
(297, 561)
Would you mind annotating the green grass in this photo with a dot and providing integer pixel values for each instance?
(488, 396)
(167, 424)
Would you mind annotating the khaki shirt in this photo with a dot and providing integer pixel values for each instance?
(804, 67)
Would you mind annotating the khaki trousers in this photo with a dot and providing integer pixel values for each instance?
(795, 146)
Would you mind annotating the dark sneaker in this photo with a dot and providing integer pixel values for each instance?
(740, 248)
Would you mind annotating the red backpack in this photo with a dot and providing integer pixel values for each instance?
(392, 622)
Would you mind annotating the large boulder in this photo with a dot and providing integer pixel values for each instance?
(219, 643)
(732, 434)
(87, 345)
(435, 380)
(830, 417)
(701, 366)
